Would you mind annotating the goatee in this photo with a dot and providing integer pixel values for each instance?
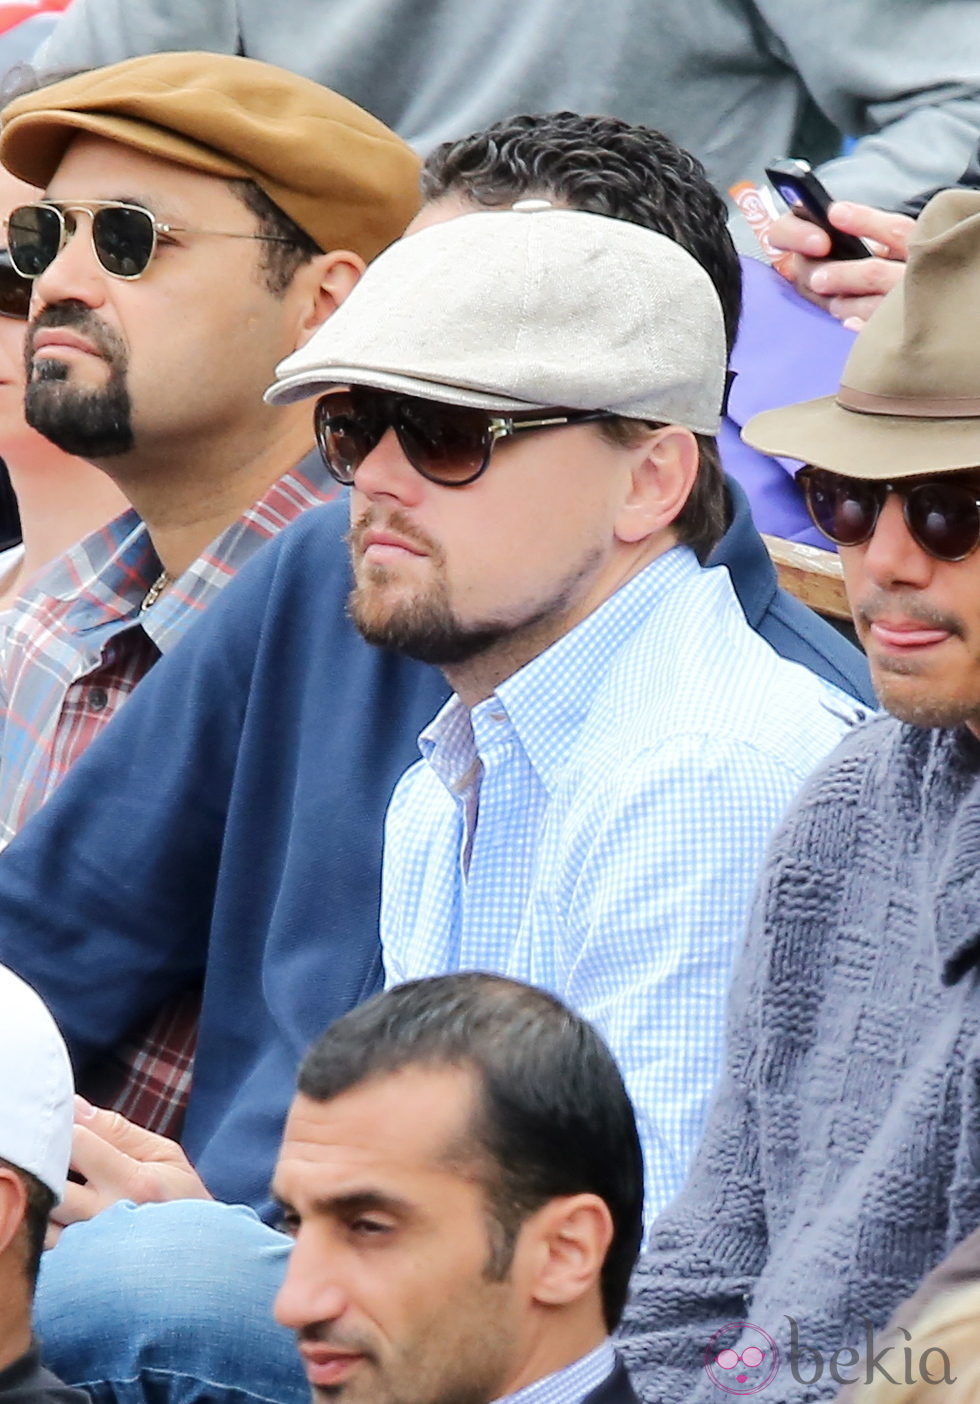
(88, 423)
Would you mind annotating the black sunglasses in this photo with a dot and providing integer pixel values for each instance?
(447, 444)
(15, 290)
(942, 514)
(124, 236)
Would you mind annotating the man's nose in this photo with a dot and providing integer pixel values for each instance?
(893, 556)
(74, 274)
(386, 472)
(310, 1293)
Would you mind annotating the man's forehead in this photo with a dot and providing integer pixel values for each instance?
(93, 165)
(456, 202)
(417, 1117)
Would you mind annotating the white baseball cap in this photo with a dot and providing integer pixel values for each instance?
(528, 308)
(36, 1086)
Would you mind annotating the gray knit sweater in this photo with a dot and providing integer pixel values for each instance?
(841, 1158)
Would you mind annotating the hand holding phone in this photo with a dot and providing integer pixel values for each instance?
(809, 199)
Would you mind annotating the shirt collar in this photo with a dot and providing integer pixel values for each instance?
(572, 1382)
(567, 674)
(107, 575)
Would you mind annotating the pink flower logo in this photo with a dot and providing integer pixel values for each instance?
(741, 1358)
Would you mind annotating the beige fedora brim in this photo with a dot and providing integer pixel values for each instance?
(859, 445)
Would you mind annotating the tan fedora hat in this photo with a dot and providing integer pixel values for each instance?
(909, 398)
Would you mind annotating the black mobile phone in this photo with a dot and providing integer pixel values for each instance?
(808, 198)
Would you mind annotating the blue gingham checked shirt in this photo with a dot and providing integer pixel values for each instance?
(571, 1384)
(595, 827)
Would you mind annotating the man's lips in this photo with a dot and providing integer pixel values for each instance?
(325, 1366)
(906, 634)
(61, 339)
(383, 542)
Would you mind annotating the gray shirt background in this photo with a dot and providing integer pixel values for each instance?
(733, 81)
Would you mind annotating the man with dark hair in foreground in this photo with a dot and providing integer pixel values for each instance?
(35, 1143)
(462, 1178)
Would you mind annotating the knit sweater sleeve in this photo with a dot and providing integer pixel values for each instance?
(898, 77)
(706, 1249)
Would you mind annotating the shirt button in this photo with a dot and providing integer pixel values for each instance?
(98, 699)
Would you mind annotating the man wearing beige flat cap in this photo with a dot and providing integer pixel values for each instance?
(529, 508)
(202, 215)
(839, 1164)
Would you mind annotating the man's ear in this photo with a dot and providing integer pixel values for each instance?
(660, 483)
(13, 1206)
(570, 1237)
(326, 281)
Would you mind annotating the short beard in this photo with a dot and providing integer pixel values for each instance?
(92, 424)
(424, 628)
(927, 712)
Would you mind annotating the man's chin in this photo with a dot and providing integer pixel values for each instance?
(910, 699)
(424, 630)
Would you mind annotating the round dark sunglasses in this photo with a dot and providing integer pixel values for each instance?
(942, 514)
(124, 236)
(447, 444)
(15, 290)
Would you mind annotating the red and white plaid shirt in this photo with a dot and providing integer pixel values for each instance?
(72, 650)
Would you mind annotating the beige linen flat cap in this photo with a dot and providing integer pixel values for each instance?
(345, 179)
(528, 308)
(909, 398)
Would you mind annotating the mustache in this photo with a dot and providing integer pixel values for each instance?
(80, 318)
(882, 604)
(323, 1333)
(396, 521)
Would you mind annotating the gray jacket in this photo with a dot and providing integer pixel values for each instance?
(735, 82)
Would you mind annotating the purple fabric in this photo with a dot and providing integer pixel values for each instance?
(787, 350)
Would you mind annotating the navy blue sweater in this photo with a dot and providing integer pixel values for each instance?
(227, 827)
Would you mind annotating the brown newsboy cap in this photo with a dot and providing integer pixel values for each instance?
(909, 398)
(345, 179)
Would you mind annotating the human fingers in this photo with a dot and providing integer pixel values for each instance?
(855, 311)
(890, 231)
(80, 1202)
(855, 278)
(799, 236)
(126, 1136)
(114, 1174)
